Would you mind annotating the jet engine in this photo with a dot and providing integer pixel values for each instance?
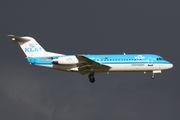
(68, 60)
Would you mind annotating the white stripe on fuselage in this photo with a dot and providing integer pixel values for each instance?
(138, 67)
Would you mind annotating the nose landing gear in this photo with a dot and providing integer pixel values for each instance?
(155, 71)
(153, 76)
(91, 77)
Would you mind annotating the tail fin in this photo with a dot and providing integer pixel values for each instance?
(30, 46)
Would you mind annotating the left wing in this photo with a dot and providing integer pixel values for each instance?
(86, 65)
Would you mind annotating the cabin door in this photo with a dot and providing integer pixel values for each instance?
(150, 61)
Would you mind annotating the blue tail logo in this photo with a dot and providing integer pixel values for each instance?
(33, 48)
(32, 44)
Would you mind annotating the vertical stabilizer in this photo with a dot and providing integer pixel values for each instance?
(29, 46)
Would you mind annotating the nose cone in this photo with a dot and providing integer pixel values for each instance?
(166, 66)
(169, 66)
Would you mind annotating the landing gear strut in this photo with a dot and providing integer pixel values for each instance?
(153, 76)
(91, 77)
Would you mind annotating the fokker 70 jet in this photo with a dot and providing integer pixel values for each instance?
(91, 64)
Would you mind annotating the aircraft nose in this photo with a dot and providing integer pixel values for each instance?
(171, 65)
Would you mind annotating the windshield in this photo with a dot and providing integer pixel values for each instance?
(160, 59)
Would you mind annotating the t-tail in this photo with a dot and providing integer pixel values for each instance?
(31, 47)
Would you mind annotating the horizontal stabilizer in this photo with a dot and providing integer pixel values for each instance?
(17, 39)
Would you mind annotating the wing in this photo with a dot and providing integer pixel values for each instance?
(86, 65)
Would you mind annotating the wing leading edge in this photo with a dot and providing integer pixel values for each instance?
(86, 65)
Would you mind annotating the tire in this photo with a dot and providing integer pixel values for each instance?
(92, 80)
(90, 76)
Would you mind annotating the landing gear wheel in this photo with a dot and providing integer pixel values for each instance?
(91, 78)
(152, 76)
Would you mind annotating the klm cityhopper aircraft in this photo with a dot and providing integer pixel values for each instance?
(91, 64)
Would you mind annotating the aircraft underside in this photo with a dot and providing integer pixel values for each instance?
(155, 68)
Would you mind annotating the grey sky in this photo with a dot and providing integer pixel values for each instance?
(89, 27)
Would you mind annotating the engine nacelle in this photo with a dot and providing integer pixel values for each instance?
(65, 60)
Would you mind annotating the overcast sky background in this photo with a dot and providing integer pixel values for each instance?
(89, 27)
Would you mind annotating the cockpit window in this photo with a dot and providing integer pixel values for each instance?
(160, 58)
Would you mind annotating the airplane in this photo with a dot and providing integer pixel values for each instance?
(91, 64)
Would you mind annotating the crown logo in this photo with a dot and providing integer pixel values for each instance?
(32, 44)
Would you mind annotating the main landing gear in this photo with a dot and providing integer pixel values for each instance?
(91, 77)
